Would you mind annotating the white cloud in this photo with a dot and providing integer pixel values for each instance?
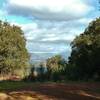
(55, 23)
(50, 48)
(49, 9)
(61, 37)
(52, 37)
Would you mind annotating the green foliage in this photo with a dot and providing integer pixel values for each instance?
(85, 54)
(37, 73)
(56, 67)
(13, 54)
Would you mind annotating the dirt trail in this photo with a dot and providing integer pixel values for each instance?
(54, 91)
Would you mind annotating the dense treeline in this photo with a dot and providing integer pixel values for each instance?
(85, 55)
(13, 54)
(53, 69)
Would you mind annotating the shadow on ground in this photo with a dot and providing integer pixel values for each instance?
(54, 91)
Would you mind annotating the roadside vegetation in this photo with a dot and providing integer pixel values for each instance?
(82, 64)
(77, 78)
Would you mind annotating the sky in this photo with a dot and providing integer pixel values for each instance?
(49, 25)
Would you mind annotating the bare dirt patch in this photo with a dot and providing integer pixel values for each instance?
(54, 91)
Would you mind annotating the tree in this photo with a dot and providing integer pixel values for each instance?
(40, 69)
(41, 72)
(13, 52)
(85, 55)
(55, 67)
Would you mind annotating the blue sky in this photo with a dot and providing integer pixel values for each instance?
(49, 25)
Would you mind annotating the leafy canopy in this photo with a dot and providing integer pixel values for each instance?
(13, 54)
(85, 54)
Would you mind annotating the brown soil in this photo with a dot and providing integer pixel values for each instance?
(55, 91)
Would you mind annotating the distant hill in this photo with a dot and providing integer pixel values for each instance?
(39, 57)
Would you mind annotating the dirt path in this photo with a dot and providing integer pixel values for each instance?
(55, 91)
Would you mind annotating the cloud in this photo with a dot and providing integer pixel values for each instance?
(50, 48)
(50, 25)
(41, 39)
(51, 37)
(58, 10)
